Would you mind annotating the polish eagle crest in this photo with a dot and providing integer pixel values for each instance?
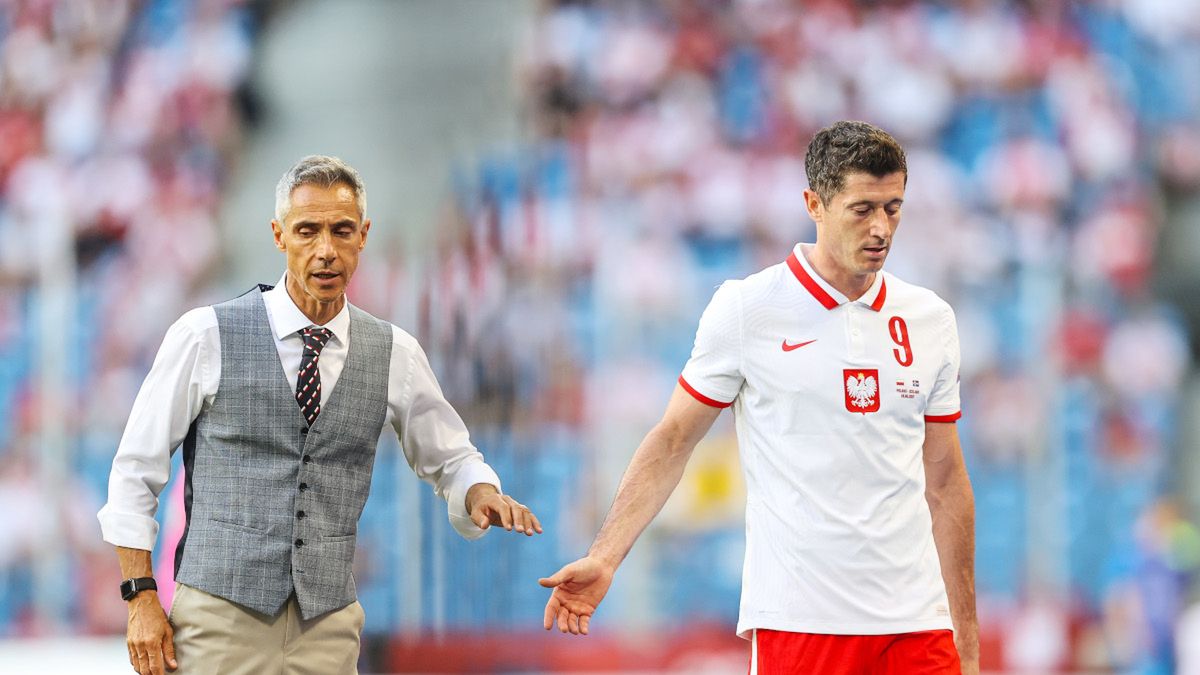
(861, 390)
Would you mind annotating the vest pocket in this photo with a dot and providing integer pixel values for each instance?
(238, 526)
(338, 543)
(326, 563)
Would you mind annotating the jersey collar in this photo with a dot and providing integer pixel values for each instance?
(827, 295)
(286, 318)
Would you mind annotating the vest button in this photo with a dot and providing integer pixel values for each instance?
(303, 486)
(308, 459)
(299, 514)
(304, 431)
(299, 543)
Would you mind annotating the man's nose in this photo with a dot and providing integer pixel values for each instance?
(881, 225)
(325, 247)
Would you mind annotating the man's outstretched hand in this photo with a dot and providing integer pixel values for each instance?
(488, 507)
(578, 589)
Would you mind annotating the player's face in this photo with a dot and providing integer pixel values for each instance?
(322, 236)
(857, 225)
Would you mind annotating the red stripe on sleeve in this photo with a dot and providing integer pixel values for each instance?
(943, 418)
(701, 397)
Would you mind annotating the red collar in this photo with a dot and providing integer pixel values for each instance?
(812, 286)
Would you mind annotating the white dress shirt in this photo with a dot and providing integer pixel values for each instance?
(183, 382)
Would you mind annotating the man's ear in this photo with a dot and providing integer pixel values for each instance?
(365, 227)
(277, 229)
(816, 208)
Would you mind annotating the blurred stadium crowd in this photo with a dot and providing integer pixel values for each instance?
(119, 121)
(1046, 142)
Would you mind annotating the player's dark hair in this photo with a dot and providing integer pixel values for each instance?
(849, 147)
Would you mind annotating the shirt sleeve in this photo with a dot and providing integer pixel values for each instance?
(713, 374)
(944, 404)
(181, 382)
(434, 438)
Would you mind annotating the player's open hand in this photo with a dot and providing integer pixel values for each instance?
(488, 507)
(578, 590)
(150, 639)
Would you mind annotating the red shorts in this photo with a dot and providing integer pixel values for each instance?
(929, 652)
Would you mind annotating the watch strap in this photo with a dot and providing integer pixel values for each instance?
(131, 587)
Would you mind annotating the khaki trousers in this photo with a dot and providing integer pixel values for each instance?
(214, 636)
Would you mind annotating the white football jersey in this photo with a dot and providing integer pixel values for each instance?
(830, 399)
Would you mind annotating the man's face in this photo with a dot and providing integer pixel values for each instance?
(321, 235)
(857, 225)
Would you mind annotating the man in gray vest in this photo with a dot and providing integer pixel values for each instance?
(278, 399)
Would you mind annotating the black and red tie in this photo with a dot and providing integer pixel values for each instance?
(308, 382)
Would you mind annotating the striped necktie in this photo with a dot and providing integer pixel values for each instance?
(308, 382)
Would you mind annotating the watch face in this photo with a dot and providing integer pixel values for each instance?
(131, 587)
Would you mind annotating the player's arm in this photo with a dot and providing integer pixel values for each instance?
(952, 505)
(652, 475)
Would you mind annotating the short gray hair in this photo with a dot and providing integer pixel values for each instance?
(320, 170)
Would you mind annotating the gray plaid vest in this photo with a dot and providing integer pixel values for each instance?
(273, 506)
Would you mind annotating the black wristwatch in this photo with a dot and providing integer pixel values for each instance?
(131, 587)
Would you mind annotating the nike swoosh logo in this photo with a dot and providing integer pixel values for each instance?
(798, 345)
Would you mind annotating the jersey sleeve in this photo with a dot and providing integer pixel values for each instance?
(944, 404)
(713, 374)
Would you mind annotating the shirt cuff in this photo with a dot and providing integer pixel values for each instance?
(466, 477)
(130, 530)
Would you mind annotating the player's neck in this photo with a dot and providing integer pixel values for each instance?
(849, 284)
